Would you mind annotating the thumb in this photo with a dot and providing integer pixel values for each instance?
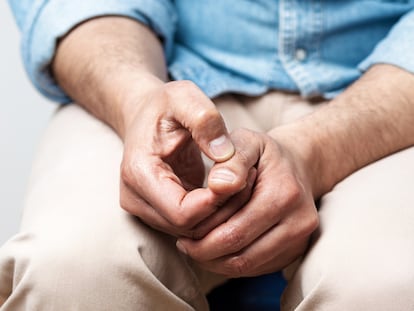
(232, 175)
(199, 115)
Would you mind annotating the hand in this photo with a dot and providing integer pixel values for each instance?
(162, 170)
(273, 228)
(121, 80)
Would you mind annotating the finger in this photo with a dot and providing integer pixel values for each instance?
(198, 114)
(231, 175)
(273, 250)
(188, 166)
(147, 175)
(229, 209)
(261, 257)
(136, 206)
(266, 208)
(283, 260)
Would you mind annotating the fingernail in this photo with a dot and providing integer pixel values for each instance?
(221, 147)
(181, 247)
(223, 175)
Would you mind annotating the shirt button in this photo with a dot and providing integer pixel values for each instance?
(300, 55)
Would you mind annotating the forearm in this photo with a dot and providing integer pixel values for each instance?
(106, 64)
(370, 120)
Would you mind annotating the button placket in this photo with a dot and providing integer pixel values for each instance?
(292, 52)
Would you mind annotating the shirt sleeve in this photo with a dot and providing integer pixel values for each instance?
(397, 48)
(43, 22)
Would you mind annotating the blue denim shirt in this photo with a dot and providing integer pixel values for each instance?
(313, 47)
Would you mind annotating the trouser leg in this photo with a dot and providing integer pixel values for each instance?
(362, 256)
(77, 249)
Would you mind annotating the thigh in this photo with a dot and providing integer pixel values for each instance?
(76, 244)
(361, 257)
(263, 113)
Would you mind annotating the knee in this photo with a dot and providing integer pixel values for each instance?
(358, 281)
(82, 275)
(45, 270)
(62, 272)
(359, 287)
(70, 265)
(100, 270)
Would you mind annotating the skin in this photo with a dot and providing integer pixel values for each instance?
(300, 162)
(269, 179)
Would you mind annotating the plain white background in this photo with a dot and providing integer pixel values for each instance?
(23, 117)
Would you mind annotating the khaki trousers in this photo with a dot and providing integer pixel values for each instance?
(78, 250)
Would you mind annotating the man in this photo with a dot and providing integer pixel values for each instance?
(327, 117)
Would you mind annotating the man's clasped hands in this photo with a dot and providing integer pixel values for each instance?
(257, 211)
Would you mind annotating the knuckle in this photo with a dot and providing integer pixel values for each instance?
(185, 84)
(243, 158)
(130, 202)
(239, 266)
(233, 239)
(204, 114)
(198, 233)
(128, 206)
(124, 203)
(306, 226)
(311, 224)
(206, 117)
(181, 221)
(188, 85)
(171, 89)
(195, 234)
(243, 136)
(128, 172)
(292, 232)
(293, 192)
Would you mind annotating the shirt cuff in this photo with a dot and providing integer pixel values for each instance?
(396, 48)
(53, 19)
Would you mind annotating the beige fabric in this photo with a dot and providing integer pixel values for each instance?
(77, 250)
(362, 256)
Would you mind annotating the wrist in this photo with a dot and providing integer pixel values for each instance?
(130, 98)
(369, 120)
(305, 148)
(104, 66)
